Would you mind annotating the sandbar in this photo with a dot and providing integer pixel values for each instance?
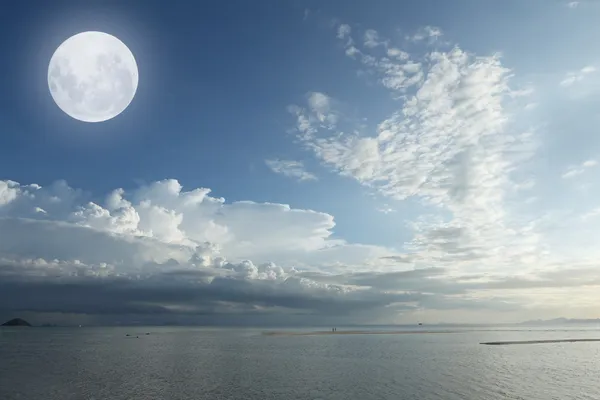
(419, 332)
(539, 341)
(314, 333)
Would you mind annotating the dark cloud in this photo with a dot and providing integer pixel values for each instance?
(167, 294)
(221, 295)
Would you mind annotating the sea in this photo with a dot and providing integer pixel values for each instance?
(233, 363)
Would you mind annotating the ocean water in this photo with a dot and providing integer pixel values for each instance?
(195, 363)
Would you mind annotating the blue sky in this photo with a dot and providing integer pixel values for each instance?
(339, 110)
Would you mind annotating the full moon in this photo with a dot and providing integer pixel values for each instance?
(92, 76)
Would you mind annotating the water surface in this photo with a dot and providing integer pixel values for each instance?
(199, 363)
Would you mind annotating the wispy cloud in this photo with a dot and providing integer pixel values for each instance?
(573, 4)
(531, 106)
(386, 209)
(449, 145)
(291, 169)
(576, 170)
(574, 77)
(594, 213)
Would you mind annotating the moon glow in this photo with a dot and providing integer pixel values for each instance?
(92, 76)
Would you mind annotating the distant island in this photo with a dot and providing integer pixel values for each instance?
(16, 322)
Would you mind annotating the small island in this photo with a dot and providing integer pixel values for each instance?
(16, 322)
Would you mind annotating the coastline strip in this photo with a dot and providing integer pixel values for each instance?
(539, 341)
(315, 333)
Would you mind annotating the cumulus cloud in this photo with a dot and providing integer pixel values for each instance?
(161, 253)
(8, 192)
(165, 213)
(291, 169)
(161, 250)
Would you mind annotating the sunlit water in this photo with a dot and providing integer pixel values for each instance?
(192, 363)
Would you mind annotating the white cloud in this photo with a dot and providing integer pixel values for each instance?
(576, 170)
(588, 70)
(160, 221)
(594, 213)
(430, 33)
(393, 52)
(291, 169)
(573, 4)
(451, 146)
(320, 104)
(574, 77)
(371, 38)
(531, 106)
(159, 249)
(386, 209)
(397, 71)
(343, 31)
(352, 51)
(306, 14)
(8, 192)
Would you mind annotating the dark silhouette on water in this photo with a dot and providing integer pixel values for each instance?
(540, 341)
(16, 322)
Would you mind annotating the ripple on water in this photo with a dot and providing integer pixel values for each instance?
(185, 363)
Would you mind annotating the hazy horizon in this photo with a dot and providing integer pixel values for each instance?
(236, 324)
